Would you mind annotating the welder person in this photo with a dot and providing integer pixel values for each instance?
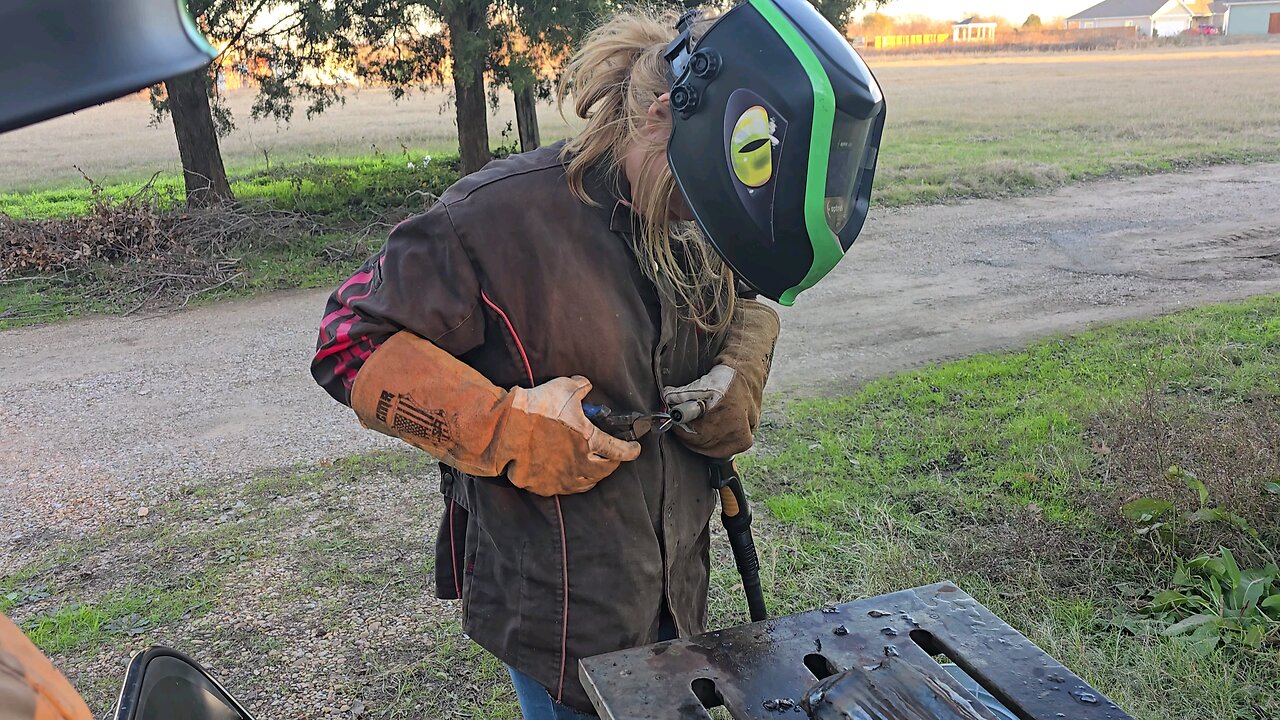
(575, 273)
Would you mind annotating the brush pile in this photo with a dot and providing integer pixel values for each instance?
(144, 246)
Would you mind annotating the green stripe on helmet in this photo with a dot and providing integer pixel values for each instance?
(826, 246)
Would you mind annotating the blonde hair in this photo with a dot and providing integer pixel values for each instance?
(614, 77)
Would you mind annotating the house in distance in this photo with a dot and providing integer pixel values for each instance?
(1152, 18)
(972, 30)
(1166, 18)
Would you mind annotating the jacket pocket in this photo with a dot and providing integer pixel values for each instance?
(542, 609)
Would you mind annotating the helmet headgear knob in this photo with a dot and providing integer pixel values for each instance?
(684, 100)
(705, 63)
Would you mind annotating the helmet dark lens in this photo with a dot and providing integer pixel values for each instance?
(844, 168)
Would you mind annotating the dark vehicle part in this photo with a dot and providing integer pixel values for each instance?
(64, 55)
(164, 684)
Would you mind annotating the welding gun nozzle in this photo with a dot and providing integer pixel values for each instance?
(687, 412)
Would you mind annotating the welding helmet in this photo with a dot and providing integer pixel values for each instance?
(776, 126)
(58, 56)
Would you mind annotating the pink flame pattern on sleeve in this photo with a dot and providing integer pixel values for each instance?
(347, 338)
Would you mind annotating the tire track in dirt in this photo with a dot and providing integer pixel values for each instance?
(100, 414)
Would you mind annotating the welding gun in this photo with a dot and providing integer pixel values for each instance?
(734, 511)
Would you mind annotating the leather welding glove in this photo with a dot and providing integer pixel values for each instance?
(413, 390)
(31, 688)
(732, 392)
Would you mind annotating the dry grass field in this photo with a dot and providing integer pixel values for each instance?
(958, 125)
(982, 127)
(116, 142)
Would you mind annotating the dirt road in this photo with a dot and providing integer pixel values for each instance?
(95, 415)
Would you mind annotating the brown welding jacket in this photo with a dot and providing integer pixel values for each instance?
(516, 276)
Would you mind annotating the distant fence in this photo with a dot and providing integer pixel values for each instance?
(1017, 39)
(893, 42)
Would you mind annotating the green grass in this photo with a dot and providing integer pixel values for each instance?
(925, 162)
(990, 127)
(124, 613)
(341, 196)
(139, 580)
(986, 471)
(313, 261)
(340, 190)
(1013, 424)
(956, 170)
(1004, 472)
(942, 161)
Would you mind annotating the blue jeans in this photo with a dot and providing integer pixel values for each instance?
(536, 703)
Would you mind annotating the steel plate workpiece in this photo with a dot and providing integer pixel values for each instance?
(891, 690)
(875, 656)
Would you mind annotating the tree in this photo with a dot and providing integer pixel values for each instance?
(1033, 22)
(518, 63)
(526, 103)
(840, 12)
(419, 43)
(537, 36)
(187, 100)
(469, 42)
(877, 23)
(291, 48)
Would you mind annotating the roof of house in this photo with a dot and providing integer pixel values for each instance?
(1121, 9)
(1208, 7)
(973, 21)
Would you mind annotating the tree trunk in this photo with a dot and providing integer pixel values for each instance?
(202, 169)
(527, 118)
(467, 49)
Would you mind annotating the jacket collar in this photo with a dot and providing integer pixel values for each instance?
(612, 193)
(623, 220)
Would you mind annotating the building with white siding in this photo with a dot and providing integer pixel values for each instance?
(1152, 18)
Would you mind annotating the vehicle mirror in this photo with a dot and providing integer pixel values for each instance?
(162, 684)
(58, 56)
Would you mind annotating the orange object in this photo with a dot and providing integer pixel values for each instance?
(539, 438)
(31, 688)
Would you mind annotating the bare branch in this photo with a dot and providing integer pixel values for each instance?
(235, 39)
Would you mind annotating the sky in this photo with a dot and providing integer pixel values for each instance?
(1013, 9)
